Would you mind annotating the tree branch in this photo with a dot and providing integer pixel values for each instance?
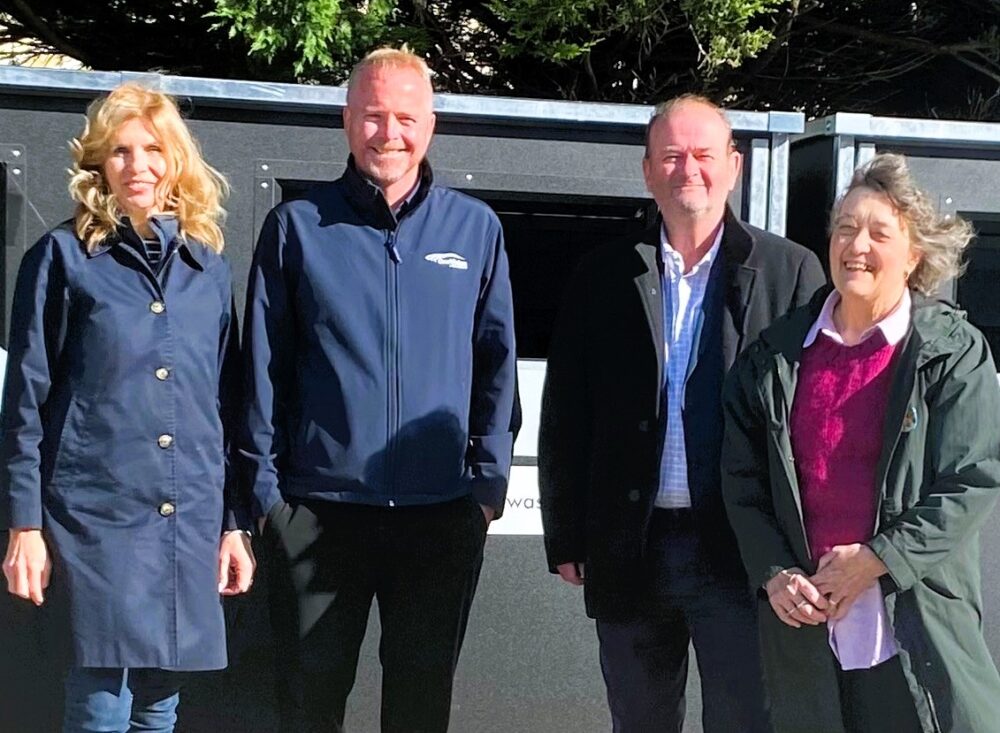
(909, 44)
(40, 28)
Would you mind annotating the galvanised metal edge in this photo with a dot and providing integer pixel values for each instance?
(864, 127)
(327, 99)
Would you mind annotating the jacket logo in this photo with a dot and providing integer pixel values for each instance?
(448, 259)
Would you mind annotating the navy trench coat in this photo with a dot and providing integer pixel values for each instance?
(113, 440)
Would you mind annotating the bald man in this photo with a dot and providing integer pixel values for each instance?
(631, 431)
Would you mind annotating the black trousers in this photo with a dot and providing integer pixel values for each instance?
(877, 700)
(645, 659)
(327, 561)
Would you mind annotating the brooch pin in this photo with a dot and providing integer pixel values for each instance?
(910, 419)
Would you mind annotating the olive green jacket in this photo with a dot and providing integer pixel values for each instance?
(938, 479)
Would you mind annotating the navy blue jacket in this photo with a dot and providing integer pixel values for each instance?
(113, 440)
(380, 352)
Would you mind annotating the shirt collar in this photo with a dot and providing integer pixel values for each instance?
(893, 326)
(405, 201)
(705, 261)
(367, 198)
(166, 227)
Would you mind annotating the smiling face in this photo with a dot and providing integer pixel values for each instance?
(870, 251)
(136, 163)
(690, 167)
(389, 122)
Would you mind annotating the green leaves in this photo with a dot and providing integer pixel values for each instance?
(327, 36)
(564, 30)
(725, 32)
(323, 35)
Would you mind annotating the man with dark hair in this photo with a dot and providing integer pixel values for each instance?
(631, 431)
(382, 411)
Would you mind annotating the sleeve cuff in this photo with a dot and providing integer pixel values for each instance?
(491, 493)
(237, 518)
(900, 572)
(20, 516)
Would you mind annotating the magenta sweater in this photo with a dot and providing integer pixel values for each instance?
(837, 418)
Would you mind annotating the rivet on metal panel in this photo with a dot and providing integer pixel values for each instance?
(16, 171)
(263, 184)
(468, 176)
(949, 200)
(264, 166)
(16, 153)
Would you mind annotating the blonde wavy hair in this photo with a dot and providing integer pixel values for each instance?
(940, 240)
(191, 189)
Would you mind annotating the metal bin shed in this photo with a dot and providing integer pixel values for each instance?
(563, 176)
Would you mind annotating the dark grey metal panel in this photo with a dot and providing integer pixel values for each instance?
(530, 661)
(810, 194)
(965, 180)
(13, 206)
(240, 142)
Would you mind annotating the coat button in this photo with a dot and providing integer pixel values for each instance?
(162, 373)
(644, 426)
(166, 509)
(633, 495)
(157, 307)
(165, 441)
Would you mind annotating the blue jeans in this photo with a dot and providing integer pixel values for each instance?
(121, 700)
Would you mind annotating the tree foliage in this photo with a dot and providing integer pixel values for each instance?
(320, 34)
(132, 35)
(907, 57)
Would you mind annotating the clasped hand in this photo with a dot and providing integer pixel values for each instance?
(842, 574)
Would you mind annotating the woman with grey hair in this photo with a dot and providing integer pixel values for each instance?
(861, 457)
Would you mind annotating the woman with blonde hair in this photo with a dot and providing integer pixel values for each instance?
(116, 480)
(861, 458)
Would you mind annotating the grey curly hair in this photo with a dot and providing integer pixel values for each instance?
(941, 241)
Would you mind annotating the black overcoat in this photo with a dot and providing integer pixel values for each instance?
(600, 431)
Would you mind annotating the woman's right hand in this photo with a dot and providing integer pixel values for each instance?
(27, 566)
(795, 600)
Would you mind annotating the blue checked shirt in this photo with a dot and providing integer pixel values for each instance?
(683, 294)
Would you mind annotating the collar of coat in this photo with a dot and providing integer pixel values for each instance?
(368, 200)
(166, 227)
(934, 328)
(734, 250)
(735, 245)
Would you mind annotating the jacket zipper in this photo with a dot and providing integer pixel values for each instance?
(392, 361)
